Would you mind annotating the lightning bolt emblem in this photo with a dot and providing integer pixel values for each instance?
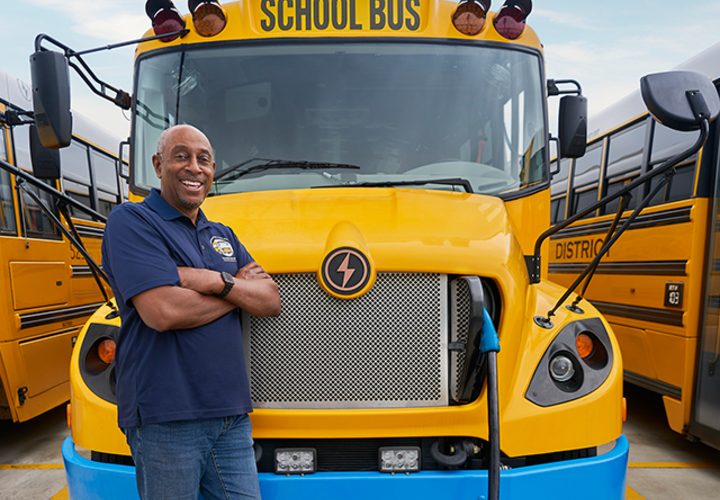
(347, 272)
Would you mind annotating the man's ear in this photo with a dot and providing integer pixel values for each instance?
(156, 161)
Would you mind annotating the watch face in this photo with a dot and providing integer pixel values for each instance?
(229, 282)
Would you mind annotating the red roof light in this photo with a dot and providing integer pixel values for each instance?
(510, 21)
(165, 18)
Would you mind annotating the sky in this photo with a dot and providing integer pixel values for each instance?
(607, 45)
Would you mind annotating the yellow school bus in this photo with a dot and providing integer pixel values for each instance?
(658, 285)
(405, 141)
(48, 291)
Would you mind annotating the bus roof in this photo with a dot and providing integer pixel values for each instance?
(632, 106)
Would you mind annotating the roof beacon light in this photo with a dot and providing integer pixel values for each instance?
(510, 21)
(208, 17)
(165, 18)
(469, 17)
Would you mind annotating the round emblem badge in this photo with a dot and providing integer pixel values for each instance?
(345, 271)
(222, 246)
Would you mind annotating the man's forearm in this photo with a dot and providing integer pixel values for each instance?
(172, 308)
(254, 290)
(259, 297)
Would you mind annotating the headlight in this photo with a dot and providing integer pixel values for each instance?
(561, 368)
(576, 363)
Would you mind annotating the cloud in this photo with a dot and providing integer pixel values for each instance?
(610, 67)
(110, 20)
(565, 19)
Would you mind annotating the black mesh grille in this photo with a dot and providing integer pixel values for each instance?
(387, 348)
(459, 318)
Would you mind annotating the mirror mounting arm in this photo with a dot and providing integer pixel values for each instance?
(99, 87)
(669, 164)
(11, 118)
(606, 246)
(553, 90)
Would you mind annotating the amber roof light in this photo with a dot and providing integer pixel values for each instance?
(208, 17)
(469, 17)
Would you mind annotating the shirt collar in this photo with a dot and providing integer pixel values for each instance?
(158, 204)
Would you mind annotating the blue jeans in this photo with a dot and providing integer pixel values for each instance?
(178, 460)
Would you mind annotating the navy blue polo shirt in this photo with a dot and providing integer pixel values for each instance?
(178, 374)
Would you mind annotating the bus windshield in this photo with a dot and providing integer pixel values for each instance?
(302, 114)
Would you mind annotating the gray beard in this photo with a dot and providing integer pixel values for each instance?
(188, 204)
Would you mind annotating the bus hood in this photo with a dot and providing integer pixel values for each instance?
(402, 230)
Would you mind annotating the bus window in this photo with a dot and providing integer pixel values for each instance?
(7, 211)
(106, 181)
(3, 146)
(76, 176)
(666, 144)
(680, 186)
(36, 224)
(625, 155)
(558, 191)
(21, 142)
(79, 193)
(585, 179)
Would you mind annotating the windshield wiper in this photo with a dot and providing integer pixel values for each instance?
(456, 181)
(303, 164)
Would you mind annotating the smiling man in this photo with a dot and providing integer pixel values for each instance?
(179, 279)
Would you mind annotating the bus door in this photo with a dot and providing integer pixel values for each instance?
(705, 422)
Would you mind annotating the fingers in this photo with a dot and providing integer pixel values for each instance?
(252, 271)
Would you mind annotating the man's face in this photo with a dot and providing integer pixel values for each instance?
(185, 169)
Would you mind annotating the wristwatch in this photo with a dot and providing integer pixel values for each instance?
(229, 283)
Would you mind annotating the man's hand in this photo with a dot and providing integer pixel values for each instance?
(252, 271)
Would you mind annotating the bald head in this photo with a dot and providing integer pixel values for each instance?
(162, 140)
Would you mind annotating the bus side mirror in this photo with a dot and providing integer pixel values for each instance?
(572, 120)
(45, 161)
(680, 100)
(51, 98)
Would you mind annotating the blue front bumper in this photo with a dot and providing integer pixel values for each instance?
(598, 478)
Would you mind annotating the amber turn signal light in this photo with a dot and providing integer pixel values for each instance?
(106, 351)
(585, 345)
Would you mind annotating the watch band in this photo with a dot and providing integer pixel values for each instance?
(229, 283)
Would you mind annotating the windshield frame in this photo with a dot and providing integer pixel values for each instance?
(143, 190)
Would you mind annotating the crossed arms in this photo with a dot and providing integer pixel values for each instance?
(194, 303)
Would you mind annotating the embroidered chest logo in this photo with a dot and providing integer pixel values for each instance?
(222, 246)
